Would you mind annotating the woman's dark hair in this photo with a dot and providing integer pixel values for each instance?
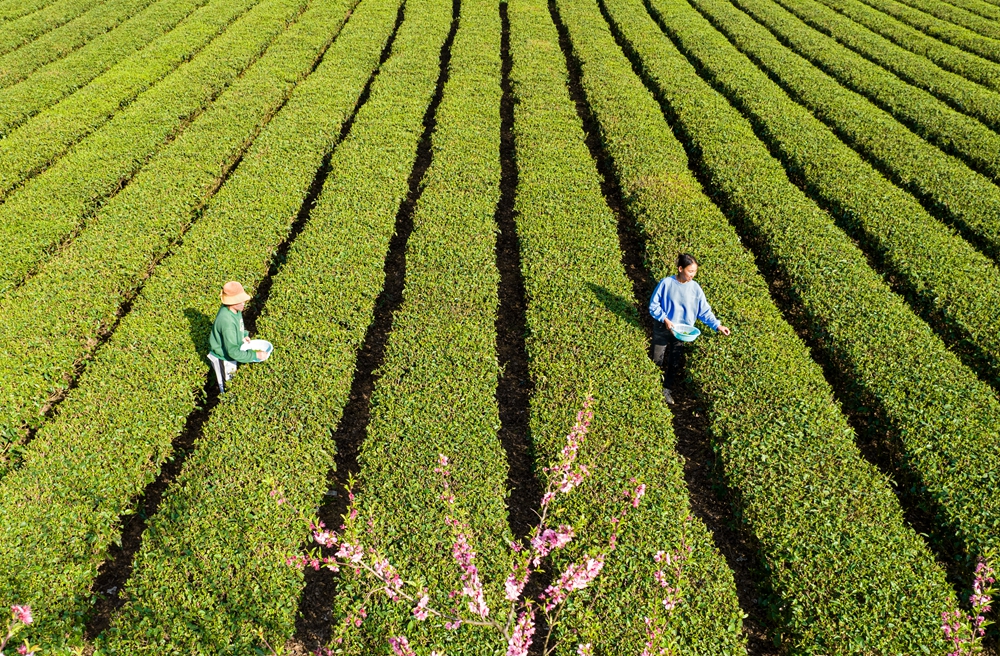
(684, 260)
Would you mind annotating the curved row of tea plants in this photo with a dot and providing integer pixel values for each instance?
(570, 250)
(952, 13)
(940, 417)
(944, 184)
(103, 97)
(29, 27)
(843, 564)
(889, 223)
(982, 8)
(105, 17)
(13, 9)
(51, 82)
(272, 429)
(943, 54)
(952, 88)
(53, 206)
(952, 131)
(437, 385)
(956, 35)
(56, 318)
(114, 431)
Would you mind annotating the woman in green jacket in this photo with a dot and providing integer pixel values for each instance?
(228, 334)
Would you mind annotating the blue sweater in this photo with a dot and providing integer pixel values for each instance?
(681, 303)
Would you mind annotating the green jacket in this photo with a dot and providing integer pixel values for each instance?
(227, 337)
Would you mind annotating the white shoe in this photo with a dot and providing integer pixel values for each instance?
(667, 396)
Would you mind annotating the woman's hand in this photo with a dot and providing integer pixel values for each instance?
(246, 340)
(669, 324)
(262, 355)
(724, 330)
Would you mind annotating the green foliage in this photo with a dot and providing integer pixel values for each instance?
(843, 564)
(943, 54)
(51, 207)
(584, 335)
(942, 30)
(12, 9)
(437, 385)
(957, 15)
(55, 318)
(87, 465)
(29, 27)
(50, 83)
(950, 87)
(58, 43)
(916, 249)
(953, 132)
(967, 198)
(943, 420)
(272, 428)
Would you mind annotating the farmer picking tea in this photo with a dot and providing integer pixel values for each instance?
(676, 303)
(229, 342)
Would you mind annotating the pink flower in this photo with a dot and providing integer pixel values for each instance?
(661, 578)
(388, 575)
(353, 553)
(520, 639)
(584, 650)
(515, 584)
(638, 494)
(22, 614)
(549, 540)
(662, 556)
(420, 610)
(451, 626)
(576, 577)
(401, 646)
(473, 588)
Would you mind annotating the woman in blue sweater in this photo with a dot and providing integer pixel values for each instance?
(678, 299)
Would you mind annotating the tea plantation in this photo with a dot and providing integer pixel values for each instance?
(450, 216)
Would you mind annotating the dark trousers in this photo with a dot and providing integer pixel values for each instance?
(668, 354)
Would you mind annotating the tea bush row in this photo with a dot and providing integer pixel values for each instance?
(272, 429)
(945, 55)
(437, 388)
(29, 27)
(957, 15)
(27, 94)
(889, 223)
(111, 90)
(113, 433)
(940, 417)
(967, 198)
(584, 335)
(952, 88)
(57, 316)
(13, 9)
(53, 206)
(830, 531)
(105, 17)
(953, 132)
(942, 30)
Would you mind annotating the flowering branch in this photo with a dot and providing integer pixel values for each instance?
(965, 633)
(20, 617)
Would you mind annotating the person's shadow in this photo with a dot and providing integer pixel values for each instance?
(199, 325)
(621, 307)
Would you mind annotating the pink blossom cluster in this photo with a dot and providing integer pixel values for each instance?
(388, 575)
(20, 617)
(966, 633)
(401, 646)
(576, 577)
(567, 476)
(472, 587)
(549, 540)
(524, 630)
(22, 614)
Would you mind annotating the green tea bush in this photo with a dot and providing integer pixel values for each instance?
(952, 88)
(775, 424)
(943, 54)
(916, 249)
(583, 334)
(271, 430)
(85, 467)
(437, 385)
(53, 206)
(968, 199)
(27, 28)
(51, 82)
(13, 9)
(943, 420)
(957, 15)
(134, 73)
(58, 43)
(953, 132)
(55, 319)
(956, 35)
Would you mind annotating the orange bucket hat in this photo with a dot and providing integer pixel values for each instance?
(233, 293)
